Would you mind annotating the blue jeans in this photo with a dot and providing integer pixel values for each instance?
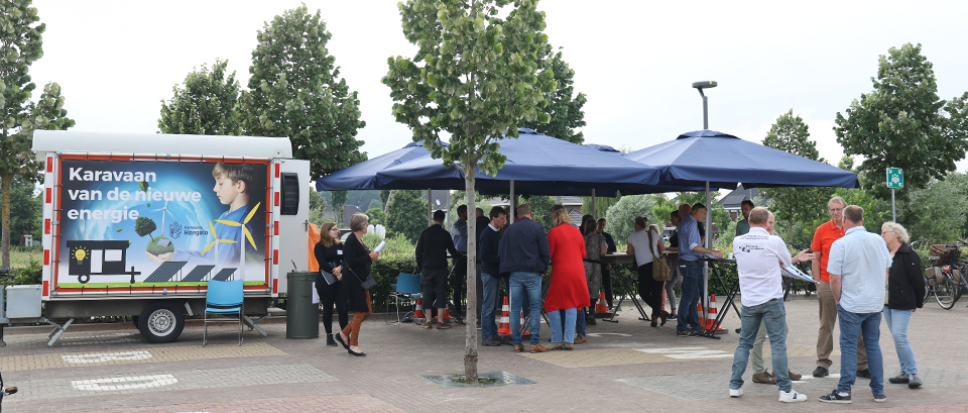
(563, 320)
(525, 287)
(897, 322)
(691, 273)
(853, 325)
(773, 314)
(491, 287)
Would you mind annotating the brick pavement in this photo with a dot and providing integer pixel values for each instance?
(294, 376)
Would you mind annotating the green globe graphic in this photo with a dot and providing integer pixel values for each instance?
(160, 245)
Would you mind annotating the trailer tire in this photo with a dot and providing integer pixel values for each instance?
(161, 322)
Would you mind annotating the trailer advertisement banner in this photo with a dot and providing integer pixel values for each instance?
(161, 223)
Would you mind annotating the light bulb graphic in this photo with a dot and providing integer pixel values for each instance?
(80, 254)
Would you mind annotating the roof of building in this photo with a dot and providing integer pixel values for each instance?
(441, 199)
(348, 211)
(575, 216)
(571, 200)
(740, 194)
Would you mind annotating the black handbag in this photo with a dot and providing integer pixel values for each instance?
(367, 284)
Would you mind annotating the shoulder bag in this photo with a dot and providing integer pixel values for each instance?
(367, 284)
(660, 271)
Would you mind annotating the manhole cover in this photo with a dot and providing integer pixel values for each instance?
(496, 379)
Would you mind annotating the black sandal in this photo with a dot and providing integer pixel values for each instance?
(339, 337)
(360, 354)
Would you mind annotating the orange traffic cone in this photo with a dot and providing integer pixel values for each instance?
(505, 328)
(712, 315)
(418, 314)
(524, 330)
(601, 307)
(447, 315)
(702, 317)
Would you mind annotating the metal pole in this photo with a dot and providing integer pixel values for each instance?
(430, 207)
(511, 205)
(709, 245)
(593, 204)
(893, 211)
(705, 112)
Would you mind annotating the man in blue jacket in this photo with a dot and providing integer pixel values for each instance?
(490, 243)
(524, 252)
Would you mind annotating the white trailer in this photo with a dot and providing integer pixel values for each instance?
(138, 224)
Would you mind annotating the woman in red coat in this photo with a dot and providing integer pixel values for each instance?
(568, 289)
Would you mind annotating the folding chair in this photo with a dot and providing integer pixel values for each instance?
(407, 288)
(223, 298)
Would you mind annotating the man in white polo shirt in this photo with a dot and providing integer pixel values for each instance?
(759, 257)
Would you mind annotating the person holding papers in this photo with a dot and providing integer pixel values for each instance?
(759, 259)
(357, 260)
(329, 255)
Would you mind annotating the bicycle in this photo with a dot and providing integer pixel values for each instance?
(946, 275)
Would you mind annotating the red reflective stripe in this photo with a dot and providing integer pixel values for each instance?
(46, 257)
(275, 286)
(275, 257)
(46, 287)
(277, 199)
(276, 225)
(277, 170)
(47, 226)
(48, 196)
(50, 164)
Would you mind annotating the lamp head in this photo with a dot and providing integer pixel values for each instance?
(706, 84)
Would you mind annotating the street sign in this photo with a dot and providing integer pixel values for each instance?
(895, 178)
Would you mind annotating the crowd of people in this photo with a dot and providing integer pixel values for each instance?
(860, 277)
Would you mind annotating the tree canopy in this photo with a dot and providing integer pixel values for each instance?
(564, 108)
(902, 123)
(295, 91)
(20, 46)
(205, 104)
(406, 215)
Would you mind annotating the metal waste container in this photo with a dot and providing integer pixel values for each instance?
(302, 315)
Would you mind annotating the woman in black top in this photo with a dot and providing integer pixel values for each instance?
(903, 295)
(329, 255)
(356, 264)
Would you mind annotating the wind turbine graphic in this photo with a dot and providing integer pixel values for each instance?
(215, 242)
(164, 210)
(245, 232)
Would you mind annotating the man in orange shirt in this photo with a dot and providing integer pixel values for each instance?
(823, 238)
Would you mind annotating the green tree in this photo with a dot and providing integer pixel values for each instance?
(475, 77)
(602, 204)
(939, 210)
(206, 104)
(406, 215)
(902, 123)
(20, 46)
(540, 209)
(384, 197)
(663, 207)
(377, 216)
(339, 200)
(806, 204)
(564, 108)
(317, 207)
(621, 216)
(144, 226)
(25, 208)
(295, 91)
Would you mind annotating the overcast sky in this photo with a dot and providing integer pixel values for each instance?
(635, 60)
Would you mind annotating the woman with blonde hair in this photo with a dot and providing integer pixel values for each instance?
(357, 259)
(644, 244)
(903, 296)
(329, 255)
(568, 289)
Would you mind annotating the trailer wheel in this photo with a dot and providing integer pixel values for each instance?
(161, 322)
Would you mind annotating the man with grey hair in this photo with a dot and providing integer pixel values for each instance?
(858, 266)
(823, 238)
(759, 260)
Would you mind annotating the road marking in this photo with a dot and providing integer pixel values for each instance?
(124, 383)
(613, 334)
(687, 353)
(105, 357)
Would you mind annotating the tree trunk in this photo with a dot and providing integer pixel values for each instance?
(470, 348)
(5, 180)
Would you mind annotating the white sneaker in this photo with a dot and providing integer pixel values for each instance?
(735, 392)
(792, 396)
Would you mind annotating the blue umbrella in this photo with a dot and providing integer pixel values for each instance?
(363, 175)
(723, 160)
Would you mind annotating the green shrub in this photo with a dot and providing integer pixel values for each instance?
(29, 274)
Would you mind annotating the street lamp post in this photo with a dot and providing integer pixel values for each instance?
(706, 84)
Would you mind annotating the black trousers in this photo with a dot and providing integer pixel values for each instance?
(460, 283)
(607, 285)
(329, 295)
(649, 289)
(433, 285)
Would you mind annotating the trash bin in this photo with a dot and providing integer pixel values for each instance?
(302, 315)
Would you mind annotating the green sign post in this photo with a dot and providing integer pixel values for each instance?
(895, 180)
